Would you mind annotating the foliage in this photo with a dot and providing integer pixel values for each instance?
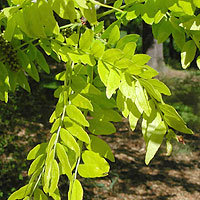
(102, 75)
(185, 98)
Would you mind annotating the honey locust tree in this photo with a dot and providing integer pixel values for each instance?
(103, 77)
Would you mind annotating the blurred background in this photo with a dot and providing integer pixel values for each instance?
(24, 123)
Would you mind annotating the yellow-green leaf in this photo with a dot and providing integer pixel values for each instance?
(99, 146)
(76, 130)
(55, 174)
(114, 35)
(188, 53)
(62, 155)
(37, 163)
(75, 114)
(113, 83)
(155, 141)
(36, 151)
(76, 191)
(69, 141)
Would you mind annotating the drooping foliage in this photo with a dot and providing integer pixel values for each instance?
(103, 80)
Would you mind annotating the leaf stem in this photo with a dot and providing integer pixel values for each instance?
(37, 182)
(106, 6)
(113, 10)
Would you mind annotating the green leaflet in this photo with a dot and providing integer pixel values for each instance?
(106, 114)
(10, 29)
(126, 39)
(103, 72)
(151, 90)
(55, 125)
(65, 9)
(155, 141)
(111, 55)
(51, 143)
(82, 3)
(75, 114)
(69, 141)
(109, 29)
(84, 58)
(112, 83)
(75, 191)
(22, 192)
(177, 124)
(97, 48)
(86, 39)
(187, 6)
(149, 125)
(46, 46)
(160, 86)
(121, 104)
(81, 102)
(127, 87)
(32, 21)
(124, 63)
(47, 18)
(94, 165)
(188, 53)
(37, 163)
(31, 52)
(39, 195)
(56, 195)
(62, 155)
(148, 72)
(196, 3)
(23, 82)
(12, 79)
(48, 168)
(162, 30)
(177, 32)
(17, 2)
(198, 62)
(55, 174)
(134, 116)
(98, 127)
(42, 62)
(89, 13)
(129, 49)
(99, 146)
(140, 59)
(173, 119)
(76, 130)
(134, 12)
(142, 98)
(114, 35)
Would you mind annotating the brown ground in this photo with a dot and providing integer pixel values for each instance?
(166, 178)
